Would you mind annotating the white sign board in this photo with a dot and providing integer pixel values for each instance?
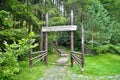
(59, 28)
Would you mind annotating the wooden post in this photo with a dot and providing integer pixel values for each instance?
(72, 39)
(46, 39)
(41, 40)
(82, 56)
(30, 57)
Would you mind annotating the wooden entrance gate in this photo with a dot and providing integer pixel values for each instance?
(76, 57)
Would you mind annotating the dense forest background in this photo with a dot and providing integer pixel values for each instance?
(21, 21)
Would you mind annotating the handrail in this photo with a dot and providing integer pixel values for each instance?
(38, 60)
(76, 58)
(38, 52)
(76, 52)
(38, 56)
(77, 63)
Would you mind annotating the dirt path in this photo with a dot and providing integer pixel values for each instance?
(58, 73)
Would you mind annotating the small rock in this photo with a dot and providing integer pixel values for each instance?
(80, 76)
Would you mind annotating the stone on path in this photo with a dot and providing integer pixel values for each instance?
(63, 57)
(62, 61)
(58, 73)
(61, 51)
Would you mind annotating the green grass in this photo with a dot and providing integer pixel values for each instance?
(103, 64)
(37, 70)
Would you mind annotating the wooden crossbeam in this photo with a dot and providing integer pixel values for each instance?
(59, 28)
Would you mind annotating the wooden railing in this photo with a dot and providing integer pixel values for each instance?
(42, 55)
(77, 58)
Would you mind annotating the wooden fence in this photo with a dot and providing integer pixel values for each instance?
(76, 56)
(41, 55)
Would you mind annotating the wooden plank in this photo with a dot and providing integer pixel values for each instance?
(38, 56)
(62, 60)
(38, 60)
(64, 55)
(77, 64)
(74, 52)
(61, 51)
(37, 52)
(77, 58)
(59, 28)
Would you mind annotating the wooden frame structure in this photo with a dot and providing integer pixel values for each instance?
(76, 57)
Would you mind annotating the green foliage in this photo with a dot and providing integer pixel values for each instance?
(64, 39)
(6, 20)
(114, 9)
(115, 38)
(55, 21)
(103, 49)
(98, 24)
(100, 30)
(58, 20)
(11, 35)
(42, 23)
(109, 48)
(9, 65)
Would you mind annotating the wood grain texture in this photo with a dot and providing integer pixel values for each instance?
(59, 28)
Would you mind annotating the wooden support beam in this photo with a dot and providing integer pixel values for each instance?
(82, 56)
(46, 40)
(46, 47)
(41, 40)
(72, 39)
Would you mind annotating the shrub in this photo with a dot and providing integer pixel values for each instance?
(108, 48)
(9, 65)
